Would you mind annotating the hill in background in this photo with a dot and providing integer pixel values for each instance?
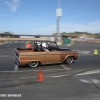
(80, 34)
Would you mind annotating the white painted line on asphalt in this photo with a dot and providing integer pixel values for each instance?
(94, 81)
(9, 45)
(60, 76)
(84, 81)
(20, 86)
(89, 72)
(66, 68)
(16, 68)
(84, 52)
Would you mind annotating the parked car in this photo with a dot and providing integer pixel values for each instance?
(43, 52)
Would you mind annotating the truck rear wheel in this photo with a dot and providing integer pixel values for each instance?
(33, 64)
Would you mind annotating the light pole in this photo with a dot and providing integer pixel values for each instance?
(58, 14)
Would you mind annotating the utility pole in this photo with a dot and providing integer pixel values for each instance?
(58, 14)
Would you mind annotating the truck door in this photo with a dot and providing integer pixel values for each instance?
(53, 57)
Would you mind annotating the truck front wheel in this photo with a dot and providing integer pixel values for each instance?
(69, 60)
(33, 64)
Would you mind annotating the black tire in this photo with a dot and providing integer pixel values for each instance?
(33, 64)
(69, 60)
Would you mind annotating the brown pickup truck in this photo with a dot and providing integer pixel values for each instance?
(43, 54)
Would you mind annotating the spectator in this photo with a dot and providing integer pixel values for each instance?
(28, 45)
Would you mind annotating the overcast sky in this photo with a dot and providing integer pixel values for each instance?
(39, 16)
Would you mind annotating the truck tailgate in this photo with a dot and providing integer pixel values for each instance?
(17, 56)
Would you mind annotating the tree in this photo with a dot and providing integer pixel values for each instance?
(8, 34)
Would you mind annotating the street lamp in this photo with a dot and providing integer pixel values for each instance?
(58, 14)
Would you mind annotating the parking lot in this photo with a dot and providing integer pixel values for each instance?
(79, 80)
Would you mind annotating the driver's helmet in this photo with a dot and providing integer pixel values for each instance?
(38, 43)
(44, 45)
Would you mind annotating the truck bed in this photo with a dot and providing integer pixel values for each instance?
(23, 50)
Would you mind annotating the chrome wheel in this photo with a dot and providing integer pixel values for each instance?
(33, 64)
(69, 60)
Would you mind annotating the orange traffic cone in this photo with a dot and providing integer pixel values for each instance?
(40, 76)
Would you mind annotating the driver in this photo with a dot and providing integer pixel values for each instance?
(44, 46)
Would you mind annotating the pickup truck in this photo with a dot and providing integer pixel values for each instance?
(34, 57)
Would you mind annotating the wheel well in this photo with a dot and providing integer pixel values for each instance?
(73, 57)
(67, 60)
(39, 62)
(69, 56)
(33, 61)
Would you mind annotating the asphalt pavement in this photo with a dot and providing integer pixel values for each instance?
(78, 81)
